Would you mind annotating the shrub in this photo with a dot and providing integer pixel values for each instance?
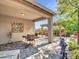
(73, 50)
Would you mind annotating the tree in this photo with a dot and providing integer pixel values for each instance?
(65, 7)
(70, 19)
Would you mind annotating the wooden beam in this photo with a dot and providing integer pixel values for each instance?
(39, 19)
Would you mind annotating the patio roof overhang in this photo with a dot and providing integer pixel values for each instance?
(25, 9)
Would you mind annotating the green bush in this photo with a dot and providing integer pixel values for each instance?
(75, 54)
(73, 49)
(72, 45)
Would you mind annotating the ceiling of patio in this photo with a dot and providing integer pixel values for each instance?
(16, 9)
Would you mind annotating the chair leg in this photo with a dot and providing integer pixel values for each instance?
(34, 43)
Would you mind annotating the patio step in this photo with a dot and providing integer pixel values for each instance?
(12, 54)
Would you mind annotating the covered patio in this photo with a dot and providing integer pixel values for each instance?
(17, 18)
(22, 11)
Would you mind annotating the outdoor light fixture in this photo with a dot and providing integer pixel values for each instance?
(76, 5)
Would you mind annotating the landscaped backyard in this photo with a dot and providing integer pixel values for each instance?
(19, 39)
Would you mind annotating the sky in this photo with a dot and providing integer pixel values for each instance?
(51, 4)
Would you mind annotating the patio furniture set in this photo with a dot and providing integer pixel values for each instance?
(30, 38)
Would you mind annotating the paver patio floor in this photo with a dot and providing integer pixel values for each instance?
(48, 51)
(42, 50)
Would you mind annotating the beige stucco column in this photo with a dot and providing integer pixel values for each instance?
(50, 31)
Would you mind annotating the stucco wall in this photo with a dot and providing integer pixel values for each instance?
(5, 27)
